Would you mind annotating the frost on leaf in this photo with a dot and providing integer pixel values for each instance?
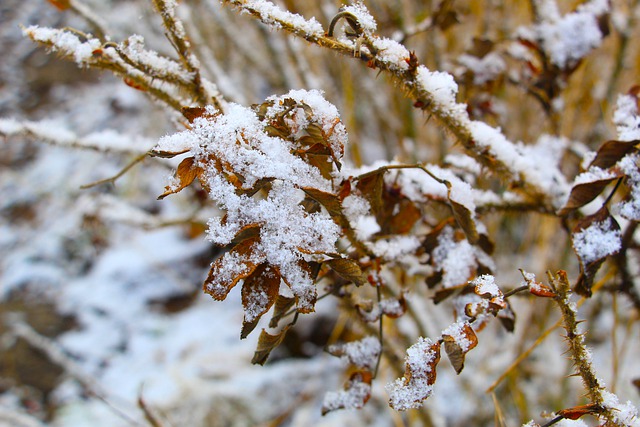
(420, 375)
(259, 293)
(595, 237)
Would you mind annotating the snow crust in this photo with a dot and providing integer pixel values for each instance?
(597, 241)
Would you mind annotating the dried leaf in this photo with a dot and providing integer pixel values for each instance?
(584, 193)
(459, 339)
(331, 203)
(578, 411)
(250, 231)
(281, 307)
(266, 344)
(192, 113)
(305, 297)
(611, 152)
(348, 269)
(537, 288)
(371, 188)
(405, 218)
(222, 278)
(61, 4)
(481, 47)
(464, 217)
(186, 173)
(507, 318)
(259, 293)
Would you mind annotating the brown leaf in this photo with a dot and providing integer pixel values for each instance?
(222, 278)
(167, 154)
(481, 47)
(305, 299)
(582, 194)
(507, 318)
(281, 307)
(611, 152)
(322, 163)
(250, 231)
(192, 113)
(371, 188)
(458, 342)
(186, 173)
(464, 218)
(266, 344)
(407, 215)
(348, 269)
(259, 293)
(331, 203)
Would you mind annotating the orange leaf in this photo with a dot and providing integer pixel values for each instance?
(229, 269)
(186, 173)
(61, 4)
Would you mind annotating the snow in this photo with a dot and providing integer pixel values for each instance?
(364, 18)
(485, 69)
(352, 398)
(630, 209)
(626, 118)
(597, 241)
(64, 42)
(457, 332)
(358, 211)
(567, 39)
(456, 260)
(625, 414)
(391, 53)
(441, 86)
(486, 285)
(362, 353)
(411, 390)
(272, 14)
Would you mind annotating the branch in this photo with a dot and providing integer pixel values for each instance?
(433, 91)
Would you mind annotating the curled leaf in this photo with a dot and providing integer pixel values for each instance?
(186, 173)
(266, 344)
(583, 193)
(458, 339)
(229, 269)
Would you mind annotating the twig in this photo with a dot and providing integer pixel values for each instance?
(118, 175)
